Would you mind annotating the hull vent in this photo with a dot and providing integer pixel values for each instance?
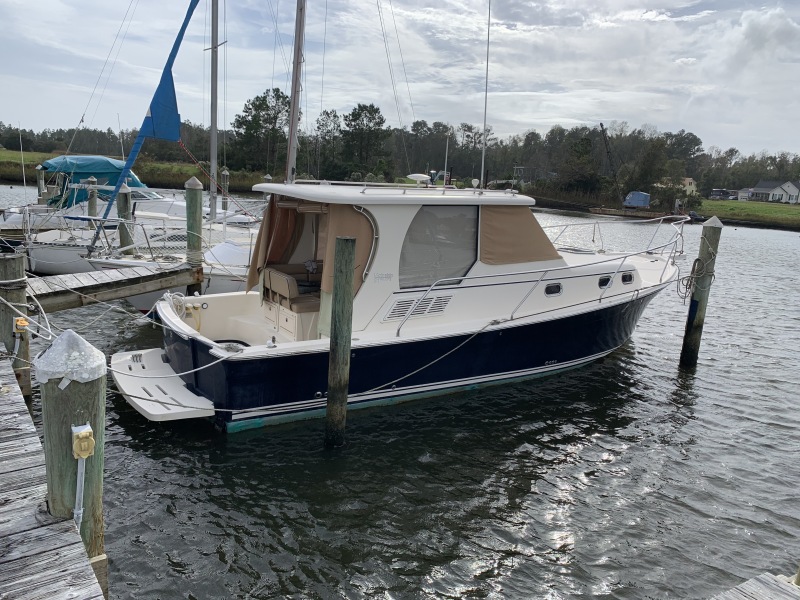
(428, 306)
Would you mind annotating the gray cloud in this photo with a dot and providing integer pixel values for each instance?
(718, 68)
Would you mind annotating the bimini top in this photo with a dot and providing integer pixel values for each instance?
(338, 193)
(80, 168)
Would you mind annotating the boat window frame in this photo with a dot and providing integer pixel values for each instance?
(627, 278)
(549, 294)
(451, 280)
(605, 282)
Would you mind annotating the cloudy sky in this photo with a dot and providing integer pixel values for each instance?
(726, 70)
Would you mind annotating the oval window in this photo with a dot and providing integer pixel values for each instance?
(552, 289)
(605, 281)
(627, 278)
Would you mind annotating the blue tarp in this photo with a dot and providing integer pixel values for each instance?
(77, 169)
(637, 200)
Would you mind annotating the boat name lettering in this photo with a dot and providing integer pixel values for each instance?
(550, 362)
(383, 276)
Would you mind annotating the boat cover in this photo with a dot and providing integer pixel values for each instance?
(78, 169)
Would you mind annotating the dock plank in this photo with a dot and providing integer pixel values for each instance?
(74, 291)
(37, 286)
(763, 587)
(51, 575)
(16, 424)
(41, 557)
(20, 453)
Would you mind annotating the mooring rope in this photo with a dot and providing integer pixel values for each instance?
(14, 284)
(686, 285)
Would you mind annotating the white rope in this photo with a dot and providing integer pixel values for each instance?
(29, 318)
(211, 364)
(433, 362)
(686, 285)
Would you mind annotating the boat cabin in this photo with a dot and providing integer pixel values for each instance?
(408, 242)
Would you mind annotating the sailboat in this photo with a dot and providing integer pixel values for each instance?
(73, 236)
(228, 249)
(453, 289)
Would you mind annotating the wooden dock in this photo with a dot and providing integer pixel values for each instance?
(763, 587)
(40, 556)
(60, 292)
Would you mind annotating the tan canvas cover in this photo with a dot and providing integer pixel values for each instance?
(344, 221)
(511, 234)
(276, 240)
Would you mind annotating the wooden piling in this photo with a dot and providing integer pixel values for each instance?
(226, 178)
(194, 229)
(124, 213)
(13, 284)
(74, 394)
(41, 186)
(341, 330)
(703, 276)
(40, 556)
(91, 205)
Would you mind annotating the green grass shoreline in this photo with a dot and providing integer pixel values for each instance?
(769, 215)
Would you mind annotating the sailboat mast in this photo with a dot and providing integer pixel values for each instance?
(212, 187)
(294, 110)
(486, 95)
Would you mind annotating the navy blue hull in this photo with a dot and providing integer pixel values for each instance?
(276, 383)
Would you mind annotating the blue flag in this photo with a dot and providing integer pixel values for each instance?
(162, 120)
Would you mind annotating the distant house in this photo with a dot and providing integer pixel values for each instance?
(687, 183)
(773, 191)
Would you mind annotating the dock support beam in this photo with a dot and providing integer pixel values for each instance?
(341, 331)
(72, 375)
(13, 290)
(702, 277)
(194, 229)
(124, 213)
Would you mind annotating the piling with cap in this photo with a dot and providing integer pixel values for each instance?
(124, 213)
(13, 325)
(702, 277)
(41, 186)
(72, 377)
(194, 228)
(226, 180)
(341, 330)
(91, 205)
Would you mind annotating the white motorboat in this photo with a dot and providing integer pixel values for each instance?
(454, 289)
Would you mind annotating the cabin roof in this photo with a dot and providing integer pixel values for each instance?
(366, 195)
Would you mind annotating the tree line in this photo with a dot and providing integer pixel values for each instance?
(580, 162)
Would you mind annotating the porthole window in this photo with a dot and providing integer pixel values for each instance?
(627, 278)
(605, 281)
(552, 289)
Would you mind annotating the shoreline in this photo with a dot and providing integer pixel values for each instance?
(562, 205)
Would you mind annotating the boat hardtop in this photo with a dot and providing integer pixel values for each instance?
(355, 193)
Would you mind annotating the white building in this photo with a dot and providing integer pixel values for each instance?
(772, 191)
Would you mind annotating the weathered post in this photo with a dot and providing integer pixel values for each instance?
(702, 277)
(41, 187)
(124, 213)
(194, 229)
(341, 329)
(72, 377)
(91, 205)
(226, 178)
(13, 332)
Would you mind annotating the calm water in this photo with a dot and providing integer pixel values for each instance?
(626, 479)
